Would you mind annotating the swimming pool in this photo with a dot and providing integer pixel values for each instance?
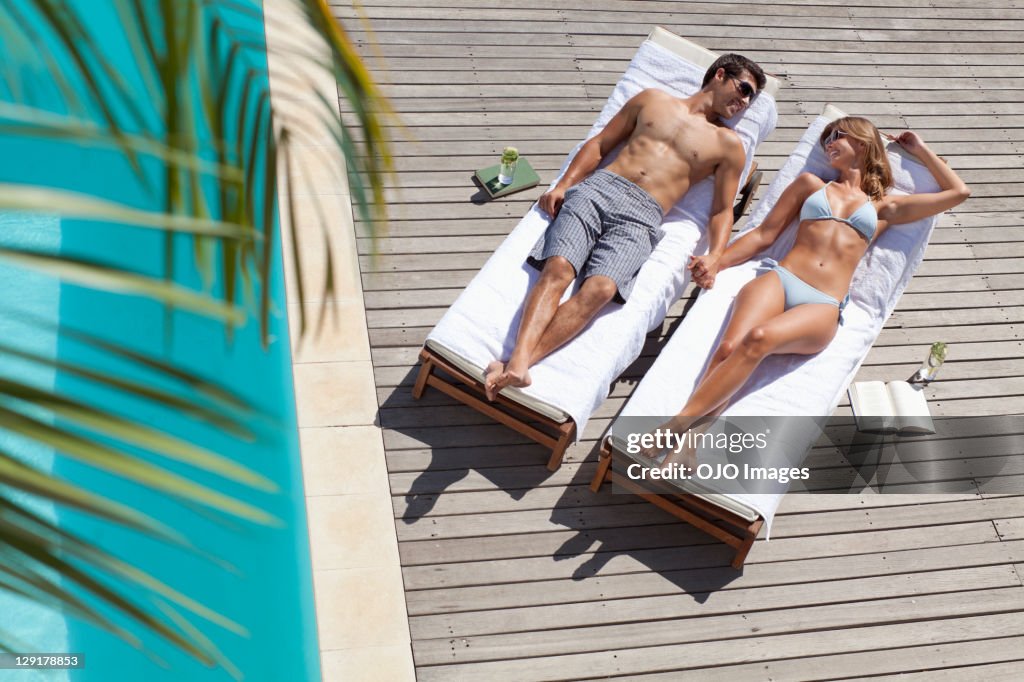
(265, 581)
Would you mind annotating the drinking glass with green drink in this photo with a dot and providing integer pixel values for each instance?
(509, 157)
(931, 365)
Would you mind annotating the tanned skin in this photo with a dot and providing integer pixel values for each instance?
(671, 143)
(825, 255)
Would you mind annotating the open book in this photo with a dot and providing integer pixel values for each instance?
(896, 407)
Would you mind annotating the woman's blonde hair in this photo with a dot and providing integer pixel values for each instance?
(877, 173)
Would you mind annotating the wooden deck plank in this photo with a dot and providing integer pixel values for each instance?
(726, 5)
(545, 520)
(426, 69)
(715, 38)
(653, 11)
(702, 655)
(554, 541)
(565, 85)
(581, 608)
(546, 497)
(1010, 529)
(381, 55)
(766, 611)
(429, 9)
(956, 662)
(697, 13)
(534, 581)
(626, 559)
(993, 672)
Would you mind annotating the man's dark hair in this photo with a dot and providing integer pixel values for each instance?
(734, 65)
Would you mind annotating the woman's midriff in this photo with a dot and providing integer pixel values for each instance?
(824, 256)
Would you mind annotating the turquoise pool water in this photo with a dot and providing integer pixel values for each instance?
(264, 580)
(39, 296)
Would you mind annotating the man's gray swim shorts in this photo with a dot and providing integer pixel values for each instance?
(607, 226)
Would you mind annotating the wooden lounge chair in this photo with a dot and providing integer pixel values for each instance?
(733, 523)
(801, 385)
(538, 412)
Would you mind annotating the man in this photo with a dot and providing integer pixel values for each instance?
(610, 220)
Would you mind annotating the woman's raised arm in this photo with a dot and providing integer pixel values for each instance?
(895, 210)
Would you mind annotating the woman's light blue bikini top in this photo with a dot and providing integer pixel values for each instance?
(864, 219)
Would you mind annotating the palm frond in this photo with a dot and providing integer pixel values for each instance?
(192, 631)
(16, 474)
(109, 278)
(367, 103)
(23, 120)
(77, 205)
(50, 556)
(202, 388)
(77, 43)
(131, 432)
(75, 547)
(113, 460)
(27, 580)
(145, 391)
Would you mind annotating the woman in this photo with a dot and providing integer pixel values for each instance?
(796, 306)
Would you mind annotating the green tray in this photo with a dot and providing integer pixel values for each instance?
(525, 178)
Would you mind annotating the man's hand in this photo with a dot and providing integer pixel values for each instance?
(551, 201)
(703, 270)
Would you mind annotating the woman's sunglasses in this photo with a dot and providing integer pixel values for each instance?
(832, 137)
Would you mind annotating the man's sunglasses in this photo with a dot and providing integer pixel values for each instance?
(832, 137)
(745, 88)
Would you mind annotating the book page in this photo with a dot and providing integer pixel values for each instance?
(908, 401)
(870, 399)
(911, 408)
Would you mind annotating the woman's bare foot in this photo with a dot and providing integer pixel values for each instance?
(677, 427)
(658, 445)
(653, 452)
(685, 457)
(492, 375)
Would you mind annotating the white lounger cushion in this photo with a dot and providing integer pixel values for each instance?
(481, 325)
(793, 384)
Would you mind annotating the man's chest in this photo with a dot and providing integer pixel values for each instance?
(694, 143)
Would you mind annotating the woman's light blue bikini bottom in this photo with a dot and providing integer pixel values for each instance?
(798, 292)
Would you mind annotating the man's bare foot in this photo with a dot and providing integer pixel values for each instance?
(514, 378)
(492, 374)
